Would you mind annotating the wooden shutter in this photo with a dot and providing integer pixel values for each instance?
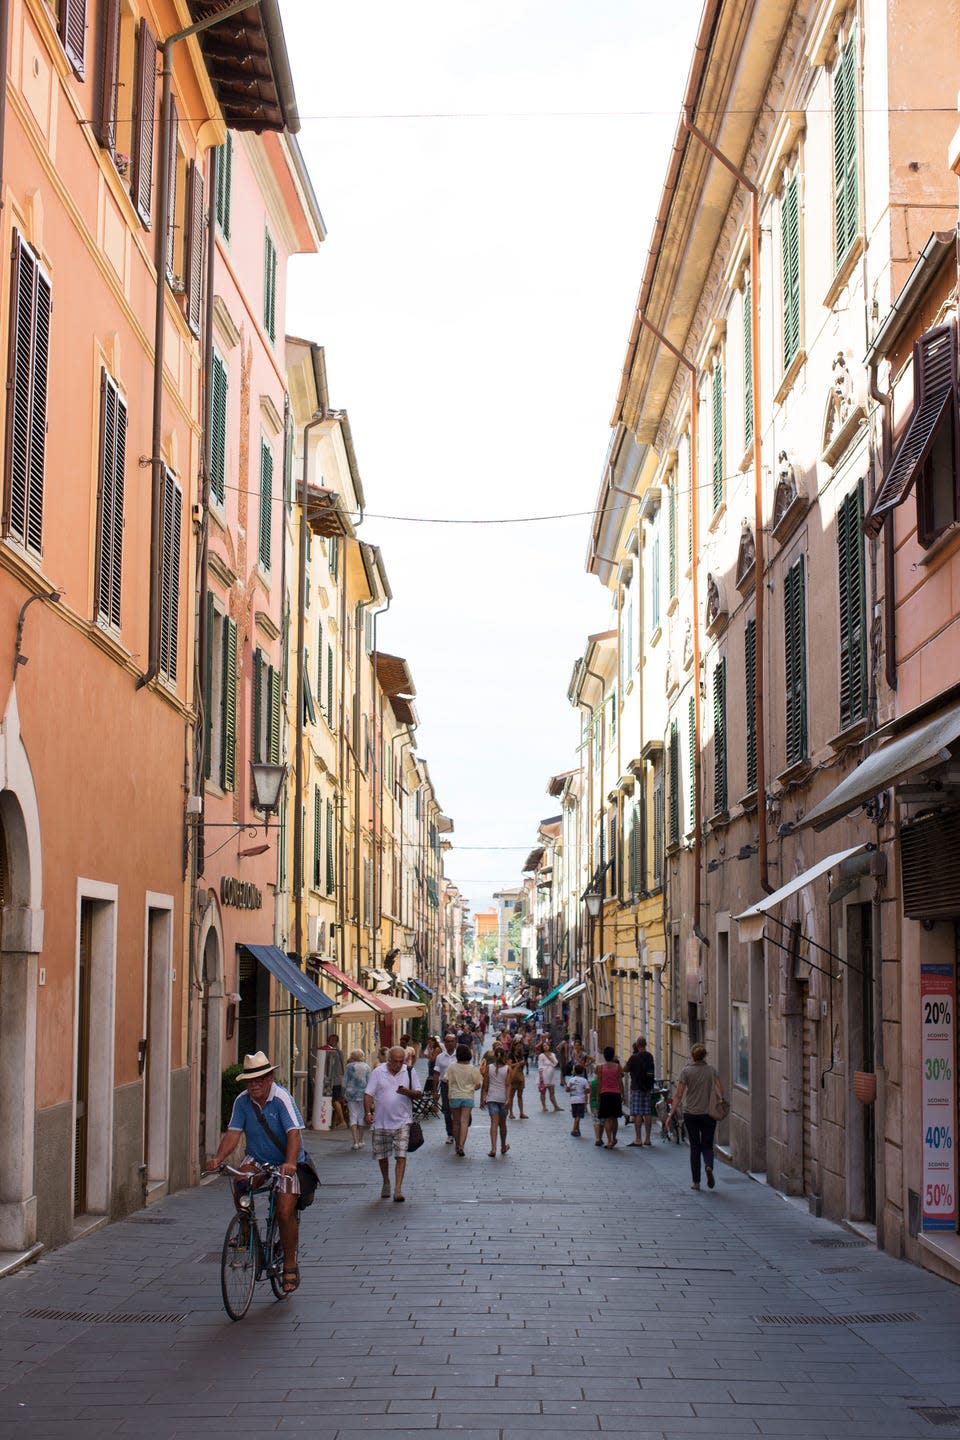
(717, 435)
(266, 501)
(113, 449)
(692, 760)
(26, 446)
(750, 677)
(208, 688)
(105, 123)
(845, 179)
(172, 219)
(720, 736)
(658, 826)
(228, 760)
(193, 259)
(934, 394)
(655, 585)
(674, 783)
(269, 286)
(330, 715)
(218, 429)
(317, 835)
(224, 180)
(795, 649)
(689, 502)
(747, 363)
(172, 524)
(331, 874)
(321, 698)
(144, 117)
(672, 533)
(273, 753)
(790, 266)
(73, 33)
(258, 726)
(851, 577)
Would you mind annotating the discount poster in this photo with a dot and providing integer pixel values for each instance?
(937, 1054)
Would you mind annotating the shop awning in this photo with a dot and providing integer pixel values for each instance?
(342, 978)
(421, 985)
(559, 993)
(357, 1011)
(299, 986)
(578, 987)
(751, 922)
(910, 753)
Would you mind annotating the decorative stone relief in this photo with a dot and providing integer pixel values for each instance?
(746, 559)
(842, 413)
(716, 614)
(687, 643)
(789, 499)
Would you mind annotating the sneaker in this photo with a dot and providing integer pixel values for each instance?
(449, 1140)
(695, 1185)
(710, 1180)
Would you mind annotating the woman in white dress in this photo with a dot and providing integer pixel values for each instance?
(547, 1066)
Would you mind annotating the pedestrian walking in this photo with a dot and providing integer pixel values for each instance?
(518, 1079)
(697, 1085)
(493, 1097)
(432, 1049)
(610, 1094)
(640, 1072)
(442, 1064)
(388, 1107)
(463, 1081)
(578, 1087)
(355, 1077)
(547, 1066)
(335, 1076)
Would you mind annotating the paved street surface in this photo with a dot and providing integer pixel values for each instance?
(559, 1290)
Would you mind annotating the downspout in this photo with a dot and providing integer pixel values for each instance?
(760, 566)
(341, 765)
(4, 54)
(282, 931)
(377, 791)
(159, 320)
(317, 419)
(355, 746)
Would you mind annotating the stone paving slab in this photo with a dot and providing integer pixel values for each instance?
(562, 1291)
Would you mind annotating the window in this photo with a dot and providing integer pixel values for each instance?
(635, 878)
(717, 414)
(266, 711)
(692, 762)
(672, 532)
(333, 556)
(170, 533)
(27, 396)
(750, 678)
(193, 247)
(143, 118)
(851, 579)
(266, 503)
(330, 872)
(220, 698)
(747, 364)
(330, 686)
(720, 737)
(317, 836)
(174, 199)
(218, 429)
(740, 1044)
(320, 694)
(73, 33)
(846, 203)
(113, 449)
(269, 286)
(790, 268)
(689, 502)
(938, 506)
(655, 583)
(795, 649)
(224, 185)
(674, 783)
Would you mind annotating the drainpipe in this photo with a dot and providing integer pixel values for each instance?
(760, 567)
(4, 52)
(159, 320)
(377, 792)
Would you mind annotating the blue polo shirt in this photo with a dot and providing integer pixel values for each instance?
(281, 1114)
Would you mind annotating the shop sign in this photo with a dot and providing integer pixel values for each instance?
(937, 1058)
(239, 893)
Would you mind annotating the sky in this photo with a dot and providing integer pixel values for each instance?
(489, 172)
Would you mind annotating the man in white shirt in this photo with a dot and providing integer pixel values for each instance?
(388, 1106)
(443, 1062)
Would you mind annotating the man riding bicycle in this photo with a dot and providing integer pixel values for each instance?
(268, 1117)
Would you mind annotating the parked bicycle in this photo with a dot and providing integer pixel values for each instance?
(248, 1254)
(671, 1119)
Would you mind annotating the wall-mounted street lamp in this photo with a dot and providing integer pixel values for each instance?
(267, 784)
(594, 903)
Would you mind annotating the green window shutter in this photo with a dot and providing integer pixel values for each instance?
(750, 676)
(795, 647)
(747, 363)
(333, 555)
(692, 761)
(258, 737)
(224, 181)
(674, 783)
(672, 534)
(228, 764)
(269, 286)
(320, 691)
(689, 503)
(717, 435)
(317, 835)
(658, 846)
(655, 584)
(330, 715)
(851, 573)
(846, 199)
(208, 688)
(720, 736)
(266, 503)
(790, 265)
(331, 873)
(274, 692)
(218, 429)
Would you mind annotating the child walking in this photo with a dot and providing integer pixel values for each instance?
(578, 1087)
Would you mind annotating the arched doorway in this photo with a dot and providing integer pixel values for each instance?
(213, 1014)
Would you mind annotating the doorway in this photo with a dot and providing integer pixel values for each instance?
(93, 1046)
(862, 1141)
(211, 1042)
(158, 989)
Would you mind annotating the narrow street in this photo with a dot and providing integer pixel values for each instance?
(561, 1288)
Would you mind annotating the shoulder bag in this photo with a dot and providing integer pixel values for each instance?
(307, 1173)
(415, 1139)
(719, 1107)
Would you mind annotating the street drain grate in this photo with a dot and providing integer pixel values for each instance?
(105, 1317)
(840, 1270)
(841, 1244)
(893, 1317)
(938, 1414)
(148, 1220)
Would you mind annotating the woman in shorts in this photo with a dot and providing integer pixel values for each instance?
(610, 1088)
(518, 1068)
(493, 1096)
(355, 1078)
(463, 1081)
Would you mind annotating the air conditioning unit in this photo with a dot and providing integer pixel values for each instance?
(316, 935)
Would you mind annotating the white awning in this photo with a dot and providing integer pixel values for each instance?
(751, 922)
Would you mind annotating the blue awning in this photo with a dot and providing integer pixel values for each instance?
(300, 986)
(421, 986)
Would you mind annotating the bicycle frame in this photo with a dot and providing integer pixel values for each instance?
(249, 1257)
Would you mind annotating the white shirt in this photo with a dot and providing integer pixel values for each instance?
(391, 1110)
(443, 1062)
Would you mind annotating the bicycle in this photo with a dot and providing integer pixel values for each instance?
(671, 1120)
(248, 1255)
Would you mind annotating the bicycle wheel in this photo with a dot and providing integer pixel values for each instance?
(238, 1266)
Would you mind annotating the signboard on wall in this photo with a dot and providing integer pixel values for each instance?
(937, 1060)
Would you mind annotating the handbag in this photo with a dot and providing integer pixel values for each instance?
(415, 1138)
(719, 1107)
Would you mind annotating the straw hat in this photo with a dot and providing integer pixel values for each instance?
(256, 1066)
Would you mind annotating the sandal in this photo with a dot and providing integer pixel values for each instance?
(492, 1154)
(398, 1199)
(291, 1284)
(504, 1149)
(385, 1192)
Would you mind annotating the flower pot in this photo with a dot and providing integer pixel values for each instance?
(865, 1086)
